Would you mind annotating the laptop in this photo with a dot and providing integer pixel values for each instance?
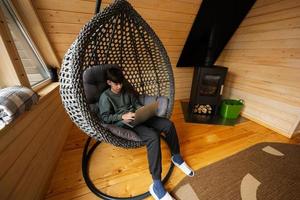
(143, 114)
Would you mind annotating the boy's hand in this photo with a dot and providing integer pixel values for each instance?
(128, 117)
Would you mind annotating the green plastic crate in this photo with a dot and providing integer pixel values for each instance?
(231, 108)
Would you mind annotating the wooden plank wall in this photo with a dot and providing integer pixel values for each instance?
(263, 56)
(30, 148)
(171, 20)
(264, 64)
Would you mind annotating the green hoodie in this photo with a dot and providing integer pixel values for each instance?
(112, 106)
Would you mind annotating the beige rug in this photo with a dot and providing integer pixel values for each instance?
(265, 171)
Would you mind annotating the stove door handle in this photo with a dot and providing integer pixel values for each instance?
(221, 90)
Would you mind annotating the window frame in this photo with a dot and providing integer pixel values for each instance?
(17, 19)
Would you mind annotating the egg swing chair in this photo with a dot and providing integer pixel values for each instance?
(117, 36)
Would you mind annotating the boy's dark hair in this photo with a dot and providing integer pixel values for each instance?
(115, 75)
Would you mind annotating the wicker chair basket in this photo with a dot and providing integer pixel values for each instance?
(117, 35)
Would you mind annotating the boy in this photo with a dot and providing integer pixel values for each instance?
(116, 105)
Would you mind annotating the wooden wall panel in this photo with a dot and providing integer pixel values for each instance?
(264, 64)
(263, 56)
(30, 148)
(171, 20)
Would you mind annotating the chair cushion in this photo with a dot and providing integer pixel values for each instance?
(122, 132)
(95, 109)
(162, 103)
(94, 82)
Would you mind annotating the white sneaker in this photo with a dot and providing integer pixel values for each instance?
(167, 196)
(185, 168)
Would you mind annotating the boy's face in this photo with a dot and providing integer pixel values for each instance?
(115, 87)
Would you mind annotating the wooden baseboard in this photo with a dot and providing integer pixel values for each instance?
(266, 125)
(295, 134)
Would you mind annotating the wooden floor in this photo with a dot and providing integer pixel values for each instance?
(123, 172)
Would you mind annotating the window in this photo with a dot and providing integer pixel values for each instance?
(33, 63)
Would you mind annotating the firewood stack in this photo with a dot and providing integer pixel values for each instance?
(202, 109)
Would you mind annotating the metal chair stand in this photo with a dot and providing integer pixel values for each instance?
(87, 154)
